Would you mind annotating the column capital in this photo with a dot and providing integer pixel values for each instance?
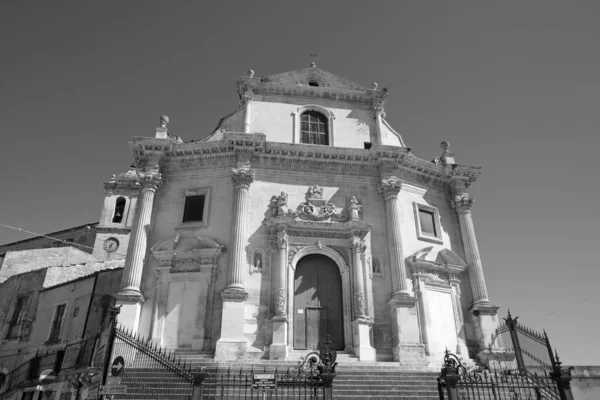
(377, 107)
(357, 245)
(390, 187)
(282, 239)
(242, 177)
(462, 203)
(150, 180)
(247, 96)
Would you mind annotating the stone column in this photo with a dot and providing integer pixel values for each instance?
(248, 96)
(362, 322)
(390, 188)
(406, 339)
(463, 205)
(484, 313)
(279, 347)
(232, 344)
(130, 296)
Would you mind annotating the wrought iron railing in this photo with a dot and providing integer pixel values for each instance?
(311, 379)
(531, 349)
(521, 360)
(456, 382)
(151, 370)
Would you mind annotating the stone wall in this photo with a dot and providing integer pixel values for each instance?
(585, 382)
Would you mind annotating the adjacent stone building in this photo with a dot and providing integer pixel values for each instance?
(302, 217)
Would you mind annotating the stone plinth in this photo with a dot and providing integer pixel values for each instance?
(232, 345)
(362, 336)
(406, 341)
(279, 348)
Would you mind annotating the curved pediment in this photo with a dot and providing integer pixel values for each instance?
(202, 249)
(436, 259)
(191, 243)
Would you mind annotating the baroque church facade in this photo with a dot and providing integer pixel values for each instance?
(302, 218)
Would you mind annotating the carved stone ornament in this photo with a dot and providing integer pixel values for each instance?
(242, 177)
(359, 304)
(279, 206)
(150, 180)
(315, 208)
(280, 306)
(462, 203)
(342, 251)
(358, 245)
(187, 253)
(292, 250)
(390, 187)
(258, 262)
(434, 277)
(443, 266)
(378, 108)
(376, 265)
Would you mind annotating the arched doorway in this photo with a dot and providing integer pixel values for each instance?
(317, 303)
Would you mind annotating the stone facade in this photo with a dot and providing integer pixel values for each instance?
(227, 283)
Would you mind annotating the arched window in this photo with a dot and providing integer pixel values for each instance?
(119, 210)
(314, 128)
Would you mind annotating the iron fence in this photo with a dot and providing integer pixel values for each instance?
(290, 384)
(311, 379)
(522, 364)
(150, 370)
(458, 383)
(531, 349)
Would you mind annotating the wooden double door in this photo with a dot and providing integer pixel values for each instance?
(317, 303)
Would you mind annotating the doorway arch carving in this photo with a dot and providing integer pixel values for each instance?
(346, 292)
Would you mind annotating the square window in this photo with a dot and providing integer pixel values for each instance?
(427, 221)
(194, 208)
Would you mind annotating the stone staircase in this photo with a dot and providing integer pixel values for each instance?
(355, 379)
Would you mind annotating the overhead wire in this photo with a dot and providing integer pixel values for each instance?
(53, 238)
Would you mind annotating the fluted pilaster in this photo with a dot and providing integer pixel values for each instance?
(242, 179)
(281, 296)
(358, 247)
(134, 261)
(462, 205)
(389, 189)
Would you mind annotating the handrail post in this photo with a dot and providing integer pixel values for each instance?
(114, 311)
(199, 378)
(562, 377)
(512, 325)
(328, 378)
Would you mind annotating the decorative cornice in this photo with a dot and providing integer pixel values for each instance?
(318, 229)
(176, 156)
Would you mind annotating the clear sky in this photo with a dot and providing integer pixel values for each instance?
(514, 86)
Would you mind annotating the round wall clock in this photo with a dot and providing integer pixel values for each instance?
(111, 244)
